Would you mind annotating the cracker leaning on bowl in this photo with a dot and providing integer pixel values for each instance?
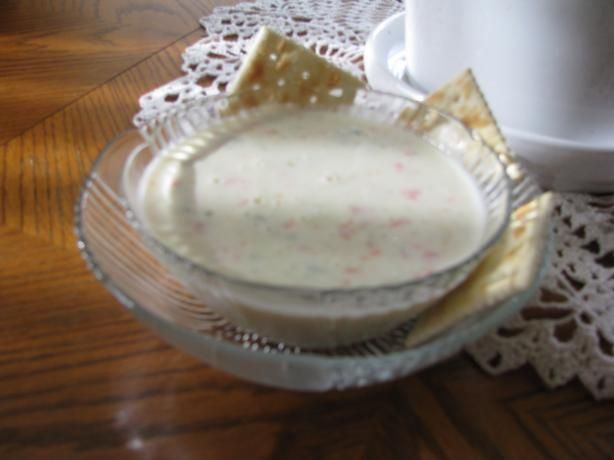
(284, 71)
(509, 268)
(288, 72)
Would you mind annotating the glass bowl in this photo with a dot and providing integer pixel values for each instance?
(115, 253)
(117, 256)
(303, 315)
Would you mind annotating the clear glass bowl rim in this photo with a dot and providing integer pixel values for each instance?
(477, 254)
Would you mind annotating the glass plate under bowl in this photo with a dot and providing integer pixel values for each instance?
(114, 252)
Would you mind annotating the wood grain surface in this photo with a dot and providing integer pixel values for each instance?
(81, 379)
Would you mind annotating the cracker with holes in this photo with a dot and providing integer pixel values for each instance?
(510, 268)
(288, 72)
(513, 263)
(462, 98)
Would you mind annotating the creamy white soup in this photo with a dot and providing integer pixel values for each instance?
(317, 199)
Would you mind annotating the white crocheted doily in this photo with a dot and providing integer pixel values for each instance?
(568, 330)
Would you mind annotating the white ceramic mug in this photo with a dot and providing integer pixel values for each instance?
(546, 66)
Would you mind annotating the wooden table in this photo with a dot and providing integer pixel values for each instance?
(80, 378)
